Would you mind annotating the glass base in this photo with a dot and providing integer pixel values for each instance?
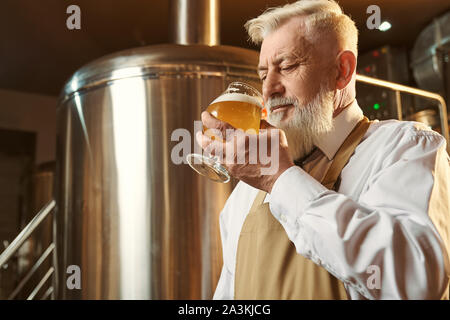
(208, 167)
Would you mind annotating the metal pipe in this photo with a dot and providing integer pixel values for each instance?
(194, 22)
(419, 92)
(26, 232)
(398, 99)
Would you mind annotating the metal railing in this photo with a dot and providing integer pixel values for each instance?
(398, 88)
(17, 243)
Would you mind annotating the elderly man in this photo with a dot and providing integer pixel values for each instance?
(356, 209)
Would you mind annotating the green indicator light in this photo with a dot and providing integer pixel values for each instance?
(376, 106)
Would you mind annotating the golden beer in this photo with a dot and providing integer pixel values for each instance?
(240, 106)
(239, 110)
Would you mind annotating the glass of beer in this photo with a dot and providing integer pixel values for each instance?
(240, 106)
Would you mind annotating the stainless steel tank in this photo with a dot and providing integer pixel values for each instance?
(138, 225)
(426, 55)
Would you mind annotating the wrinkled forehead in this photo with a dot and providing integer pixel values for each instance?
(290, 37)
(297, 38)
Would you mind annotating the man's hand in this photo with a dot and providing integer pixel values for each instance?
(258, 160)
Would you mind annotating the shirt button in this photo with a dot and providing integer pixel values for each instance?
(283, 218)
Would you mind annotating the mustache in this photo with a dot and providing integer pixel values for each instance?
(275, 102)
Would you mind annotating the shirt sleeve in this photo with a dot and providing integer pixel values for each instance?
(384, 245)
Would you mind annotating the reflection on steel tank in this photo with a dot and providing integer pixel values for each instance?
(137, 224)
(430, 63)
(428, 54)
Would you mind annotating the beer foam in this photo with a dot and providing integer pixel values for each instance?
(238, 97)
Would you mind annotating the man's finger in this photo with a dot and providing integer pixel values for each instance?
(210, 146)
(265, 125)
(212, 122)
(203, 140)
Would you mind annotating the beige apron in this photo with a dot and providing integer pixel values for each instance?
(267, 265)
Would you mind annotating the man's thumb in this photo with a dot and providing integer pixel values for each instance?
(265, 125)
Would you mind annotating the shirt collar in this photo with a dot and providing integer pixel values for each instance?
(330, 142)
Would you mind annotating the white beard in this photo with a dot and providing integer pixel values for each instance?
(307, 123)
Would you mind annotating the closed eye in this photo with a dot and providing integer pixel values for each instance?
(290, 67)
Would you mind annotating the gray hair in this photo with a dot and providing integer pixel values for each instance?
(323, 15)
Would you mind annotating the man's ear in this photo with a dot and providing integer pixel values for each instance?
(346, 65)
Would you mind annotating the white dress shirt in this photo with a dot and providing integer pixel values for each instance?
(390, 214)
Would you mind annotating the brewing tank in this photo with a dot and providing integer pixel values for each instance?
(427, 55)
(137, 223)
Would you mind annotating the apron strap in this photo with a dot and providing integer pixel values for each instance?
(259, 199)
(344, 153)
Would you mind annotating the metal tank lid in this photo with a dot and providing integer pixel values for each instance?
(143, 61)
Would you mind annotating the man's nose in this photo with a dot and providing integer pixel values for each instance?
(272, 86)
